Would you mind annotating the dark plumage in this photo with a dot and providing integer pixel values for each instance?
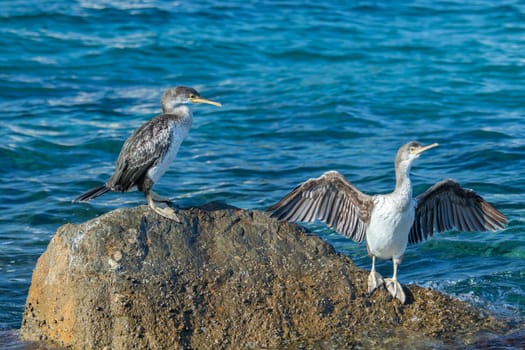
(446, 206)
(330, 198)
(148, 152)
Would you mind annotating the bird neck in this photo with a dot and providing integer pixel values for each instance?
(181, 112)
(173, 108)
(403, 184)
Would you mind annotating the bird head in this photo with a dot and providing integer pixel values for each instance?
(410, 152)
(182, 95)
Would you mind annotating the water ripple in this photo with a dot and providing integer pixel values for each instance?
(305, 89)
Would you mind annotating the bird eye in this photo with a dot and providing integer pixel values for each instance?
(192, 96)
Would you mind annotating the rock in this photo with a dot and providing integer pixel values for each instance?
(223, 278)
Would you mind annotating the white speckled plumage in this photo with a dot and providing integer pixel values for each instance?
(149, 151)
(178, 131)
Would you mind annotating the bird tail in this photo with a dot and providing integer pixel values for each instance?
(92, 193)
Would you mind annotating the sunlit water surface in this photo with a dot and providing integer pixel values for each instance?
(305, 88)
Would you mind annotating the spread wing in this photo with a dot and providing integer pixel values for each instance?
(447, 205)
(329, 198)
(142, 150)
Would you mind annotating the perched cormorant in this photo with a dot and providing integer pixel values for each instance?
(389, 221)
(149, 151)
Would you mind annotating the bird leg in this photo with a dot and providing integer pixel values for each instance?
(374, 279)
(160, 199)
(393, 286)
(167, 212)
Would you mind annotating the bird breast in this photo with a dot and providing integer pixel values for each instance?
(178, 134)
(390, 222)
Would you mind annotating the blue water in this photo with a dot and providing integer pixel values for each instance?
(305, 88)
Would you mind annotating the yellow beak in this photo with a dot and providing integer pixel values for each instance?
(203, 100)
(426, 148)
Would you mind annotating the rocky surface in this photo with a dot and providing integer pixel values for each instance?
(224, 278)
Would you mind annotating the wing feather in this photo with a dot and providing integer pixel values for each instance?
(448, 215)
(142, 150)
(329, 198)
(446, 206)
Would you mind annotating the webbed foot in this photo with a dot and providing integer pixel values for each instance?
(395, 289)
(375, 280)
(167, 212)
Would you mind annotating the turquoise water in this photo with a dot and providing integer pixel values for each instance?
(305, 88)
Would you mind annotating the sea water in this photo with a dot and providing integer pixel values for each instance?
(306, 87)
